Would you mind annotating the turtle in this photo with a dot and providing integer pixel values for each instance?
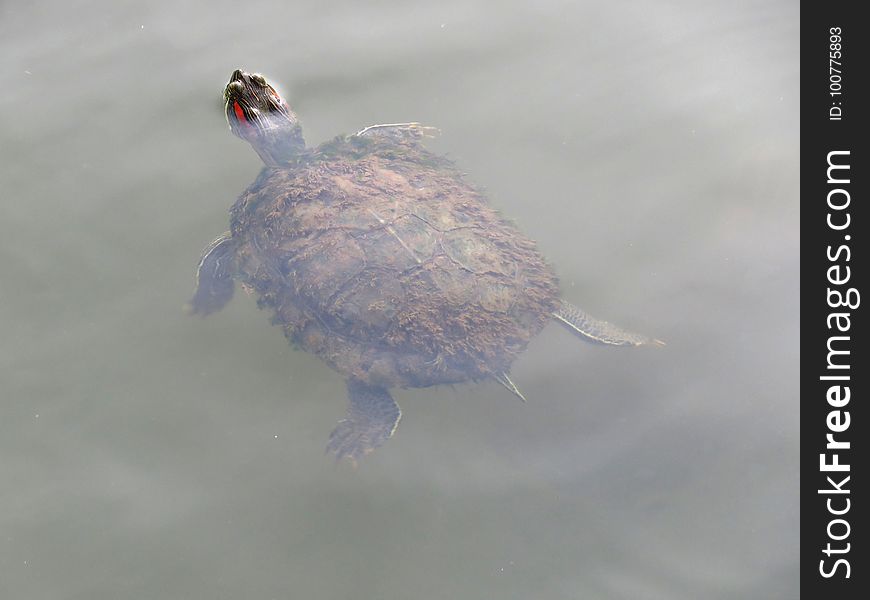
(380, 258)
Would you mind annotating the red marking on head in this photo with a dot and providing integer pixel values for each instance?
(240, 114)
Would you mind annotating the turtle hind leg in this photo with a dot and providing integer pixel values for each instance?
(372, 417)
(214, 277)
(595, 330)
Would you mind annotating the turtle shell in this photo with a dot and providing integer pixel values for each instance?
(380, 258)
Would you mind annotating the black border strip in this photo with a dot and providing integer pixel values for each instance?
(834, 228)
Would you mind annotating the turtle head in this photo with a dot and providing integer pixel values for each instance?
(260, 116)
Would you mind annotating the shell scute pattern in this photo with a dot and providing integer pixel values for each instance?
(392, 255)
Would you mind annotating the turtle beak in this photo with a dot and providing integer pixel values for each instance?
(236, 76)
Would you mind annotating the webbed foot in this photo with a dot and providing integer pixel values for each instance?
(372, 417)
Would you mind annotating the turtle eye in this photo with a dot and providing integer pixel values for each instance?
(257, 78)
(234, 87)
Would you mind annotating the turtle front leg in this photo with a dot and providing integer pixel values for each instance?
(214, 277)
(399, 131)
(372, 417)
(595, 330)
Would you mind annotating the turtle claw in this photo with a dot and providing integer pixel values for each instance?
(372, 417)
